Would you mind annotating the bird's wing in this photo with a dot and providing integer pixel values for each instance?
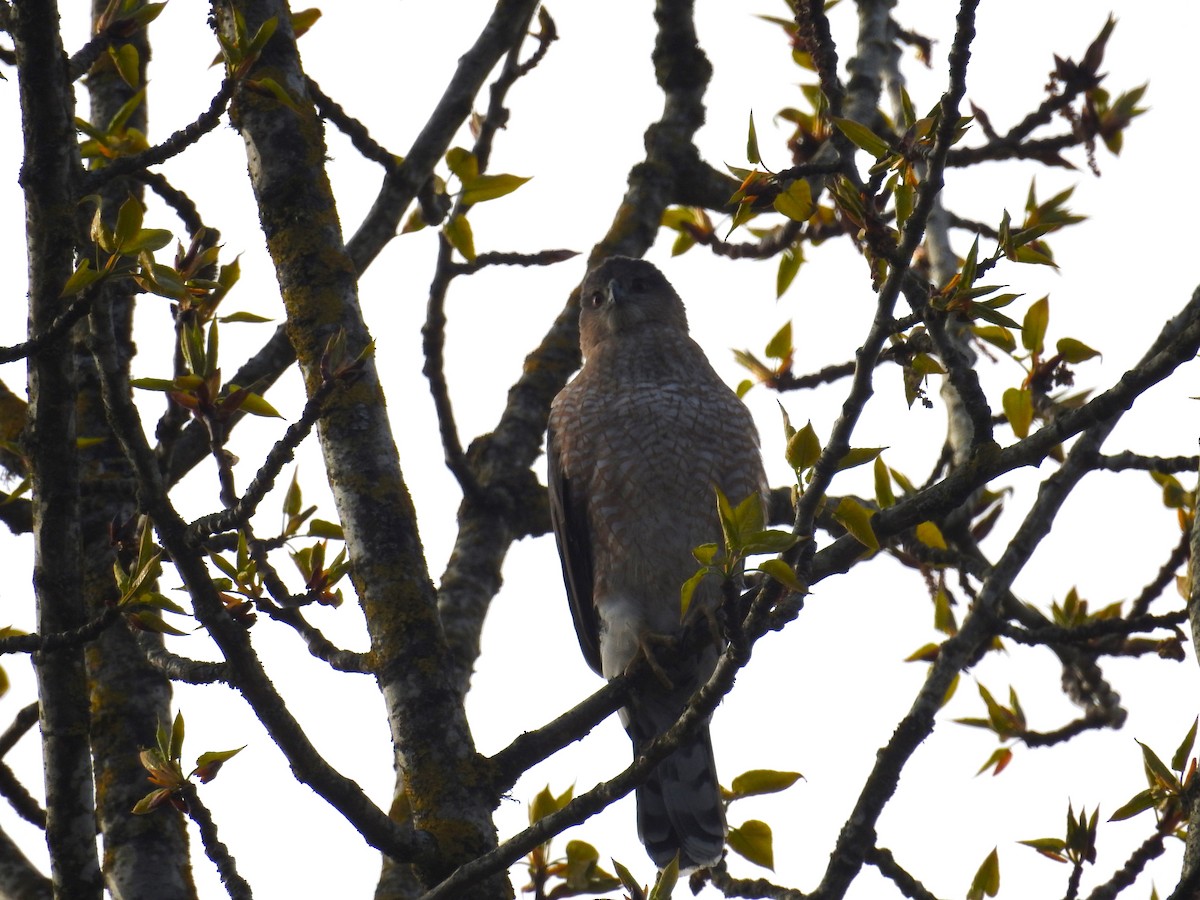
(568, 514)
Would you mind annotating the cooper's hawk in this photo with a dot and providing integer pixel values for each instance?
(636, 445)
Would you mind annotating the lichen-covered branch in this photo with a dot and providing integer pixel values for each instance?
(49, 174)
(244, 668)
(318, 281)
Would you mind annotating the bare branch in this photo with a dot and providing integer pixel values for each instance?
(172, 146)
(214, 848)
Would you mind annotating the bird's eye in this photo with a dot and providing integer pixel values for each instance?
(638, 284)
(595, 300)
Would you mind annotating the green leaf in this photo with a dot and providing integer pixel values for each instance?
(967, 276)
(153, 384)
(545, 803)
(1158, 771)
(1074, 351)
(999, 760)
(884, 495)
(125, 60)
(943, 614)
(753, 841)
(147, 239)
(265, 31)
(1033, 329)
(224, 565)
(762, 781)
(146, 13)
(81, 279)
(795, 201)
(208, 763)
(997, 336)
(780, 345)
(275, 89)
(1048, 847)
(1139, 803)
(129, 222)
(255, 404)
(705, 554)
(862, 137)
(147, 620)
(161, 601)
(463, 164)
(803, 448)
(905, 198)
(924, 653)
(1018, 407)
(584, 874)
(688, 590)
(243, 317)
(856, 519)
(743, 214)
(790, 261)
(304, 19)
(323, 529)
(769, 541)
(783, 573)
(664, 884)
(987, 879)
(489, 187)
(175, 749)
(1180, 758)
(726, 516)
(458, 233)
(752, 153)
(924, 364)
(117, 123)
(857, 456)
(748, 517)
(151, 802)
(630, 883)
(930, 535)
(293, 500)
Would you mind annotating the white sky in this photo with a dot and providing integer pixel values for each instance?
(823, 696)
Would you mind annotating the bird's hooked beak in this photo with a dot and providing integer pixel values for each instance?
(615, 293)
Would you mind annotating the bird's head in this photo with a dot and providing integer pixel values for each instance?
(623, 295)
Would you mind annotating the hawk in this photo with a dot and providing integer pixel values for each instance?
(637, 444)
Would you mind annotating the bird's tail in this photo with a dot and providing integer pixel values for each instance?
(679, 807)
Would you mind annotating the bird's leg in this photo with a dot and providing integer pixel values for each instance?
(732, 613)
(646, 642)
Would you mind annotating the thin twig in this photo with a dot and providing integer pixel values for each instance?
(235, 885)
(48, 643)
(433, 341)
(172, 146)
(283, 451)
(62, 323)
(24, 720)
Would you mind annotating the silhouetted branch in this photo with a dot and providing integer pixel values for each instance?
(249, 677)
(57, 329)
(882, 859)
(172, 146)
(503, 30)
(214, 848)
(19, 798)
(532, 747)
(1150, 848)
(180, 202)
(47, 643)
(280, 454)
(354, 129)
